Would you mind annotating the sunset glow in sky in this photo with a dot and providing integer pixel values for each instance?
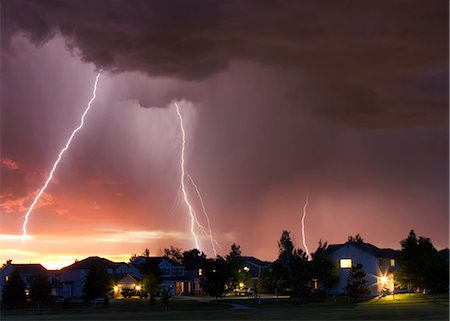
(351, 108)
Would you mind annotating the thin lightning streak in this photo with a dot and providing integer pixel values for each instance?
(213, 245)
(303, 224)
(55, 165)
(182, 179)
(175, 202)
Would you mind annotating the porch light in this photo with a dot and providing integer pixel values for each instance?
(138, 287)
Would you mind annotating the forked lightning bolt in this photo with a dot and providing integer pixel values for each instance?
(182, 180)
(55, 165)
(303, 225)
(213, 245)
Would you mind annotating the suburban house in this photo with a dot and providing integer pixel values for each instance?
(27, 272)
(173, 275)
(73, 276)
(378, 264)
(256, 268)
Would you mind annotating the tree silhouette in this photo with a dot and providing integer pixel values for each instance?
(174, 254)
(323, 268)
(421, 267)
(355, 239)
(357, 285)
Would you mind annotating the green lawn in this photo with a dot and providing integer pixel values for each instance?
(402, 307)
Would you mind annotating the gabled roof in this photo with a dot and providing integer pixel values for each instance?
(96, 261)
(366, 247)
(257, 262)
(154, 260)
(31, 269)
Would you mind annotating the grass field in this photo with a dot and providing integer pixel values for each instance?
(402, 307)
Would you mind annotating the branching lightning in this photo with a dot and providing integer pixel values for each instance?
(213, 242)
(185, 177)
(55, 165)
(303, 225)
(182, 180)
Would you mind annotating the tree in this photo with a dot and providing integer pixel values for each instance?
(215, 277)
(323, 268)
(8, 262)
(355, 239)
(98, 284)
(40, 288)
(239, 277)
(146, 253)
(300, 274)
(192, 254)
(282, 267)
(357, 286)
(150, 283)
(133, 258)
(14, 290)
(174, 254)
(421, 267)
(286, 247)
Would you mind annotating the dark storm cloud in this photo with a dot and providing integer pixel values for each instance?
(347, 49)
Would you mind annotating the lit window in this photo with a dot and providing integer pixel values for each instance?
(7, 278)
(200, 272)
(346, 263)
(392, 262)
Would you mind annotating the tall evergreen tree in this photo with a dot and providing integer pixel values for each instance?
(421, 267)
(357, 285)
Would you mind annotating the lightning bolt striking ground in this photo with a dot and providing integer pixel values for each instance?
(182, 180)
(55, 165)
(213, 245)
(303, 225)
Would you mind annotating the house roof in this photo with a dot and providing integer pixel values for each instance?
(253, 260)
(96, 261)
(366, 247)
(30, 268)
(154, 260)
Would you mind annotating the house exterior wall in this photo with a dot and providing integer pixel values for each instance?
(358, 256)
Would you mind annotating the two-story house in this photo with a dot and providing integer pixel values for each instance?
(378, 264)
(172, 275)
(74, 276)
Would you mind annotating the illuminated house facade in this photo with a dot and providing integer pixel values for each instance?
(256, 268)
(378, 264)
(73, 276)
(172, 275)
